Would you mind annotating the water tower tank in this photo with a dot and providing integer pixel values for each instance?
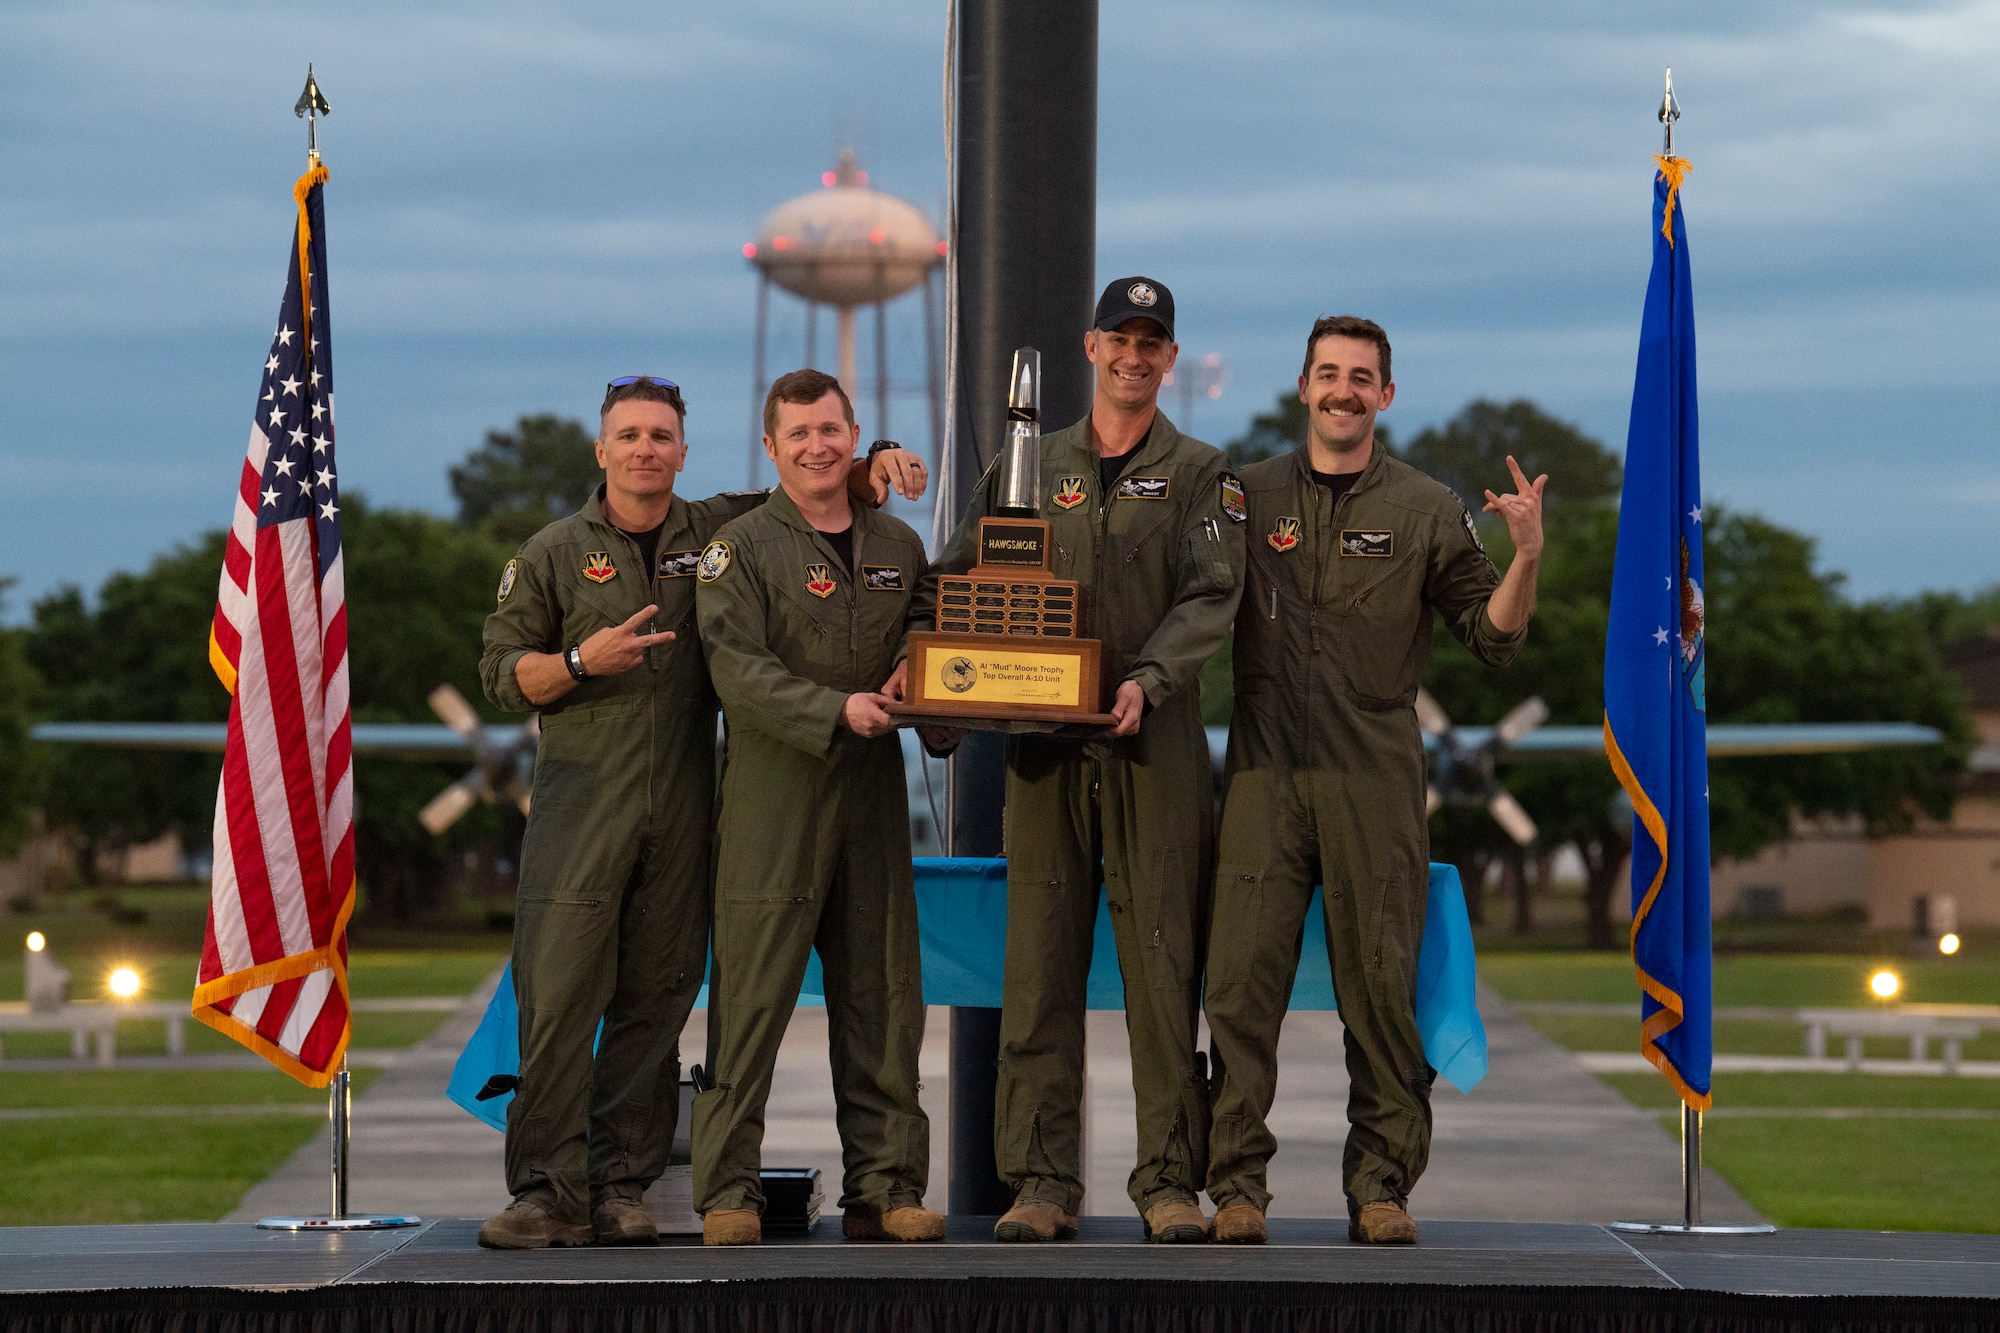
(845, 245)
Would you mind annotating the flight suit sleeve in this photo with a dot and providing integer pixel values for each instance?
(922, 612)
(962, 551)
(729, 505)
(528, 620)
(755, 686)
(1208, 584)
(1459, 584)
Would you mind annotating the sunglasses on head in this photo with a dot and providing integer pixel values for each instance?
(624, 381)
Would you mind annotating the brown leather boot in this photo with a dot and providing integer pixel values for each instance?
(1241, 1224)
(1176, 1222)
(910, 1223)
(1383, 1223)
(528, 1226)
(732, 1226)
(1035, 1220)
(623, 1222)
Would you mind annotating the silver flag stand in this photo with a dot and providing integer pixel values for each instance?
(1691, 1223)
(339, 1111)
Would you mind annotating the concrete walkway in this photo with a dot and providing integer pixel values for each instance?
(1541, 1140)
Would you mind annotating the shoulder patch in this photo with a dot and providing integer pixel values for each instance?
(714, 560)
(882, 578)
(1143, 488)
(507, 577)
(1472, 530)
(678, 564)
(1232, 498)
(597, 567)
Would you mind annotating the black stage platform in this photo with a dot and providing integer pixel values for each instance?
(1465, 1275)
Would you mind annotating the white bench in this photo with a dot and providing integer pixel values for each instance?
(86, 1021)
(1951, 1025)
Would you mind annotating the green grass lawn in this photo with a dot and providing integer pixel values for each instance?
(1736, 1036)
(159, 1087)
(97, 1169)
(1789, 980)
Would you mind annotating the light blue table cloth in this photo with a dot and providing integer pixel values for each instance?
(962, 922)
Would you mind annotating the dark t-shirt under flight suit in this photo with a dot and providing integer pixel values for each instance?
(1325, 781)
(612, 915)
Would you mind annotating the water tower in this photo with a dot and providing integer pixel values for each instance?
(847, 246)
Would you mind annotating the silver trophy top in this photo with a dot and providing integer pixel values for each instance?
(1020, 458)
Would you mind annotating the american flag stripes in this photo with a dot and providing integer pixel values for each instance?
(274, 967)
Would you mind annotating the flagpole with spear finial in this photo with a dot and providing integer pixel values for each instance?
(1672, 171)
(311, 106)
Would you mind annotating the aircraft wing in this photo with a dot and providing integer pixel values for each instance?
(410, 740)
(1725, 740)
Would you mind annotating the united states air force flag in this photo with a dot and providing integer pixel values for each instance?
(1655, 724)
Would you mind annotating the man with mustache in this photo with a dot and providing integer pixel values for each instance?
(1351, 552)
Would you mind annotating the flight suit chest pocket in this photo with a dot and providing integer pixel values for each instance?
(881, 600)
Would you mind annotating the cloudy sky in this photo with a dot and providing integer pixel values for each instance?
(527, 199)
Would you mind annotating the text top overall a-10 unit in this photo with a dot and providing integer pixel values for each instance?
(1008, 654)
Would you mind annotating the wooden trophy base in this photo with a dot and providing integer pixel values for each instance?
(1002, 682)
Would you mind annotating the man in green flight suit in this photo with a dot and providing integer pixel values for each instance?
(1149, 521)
(1351, 552)
(594, 630)
(803, 608)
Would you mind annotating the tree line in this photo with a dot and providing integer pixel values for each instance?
(1786, 645)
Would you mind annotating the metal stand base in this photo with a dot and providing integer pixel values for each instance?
(1698, 1229)
(352, 1222)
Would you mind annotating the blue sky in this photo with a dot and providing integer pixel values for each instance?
(527, 199)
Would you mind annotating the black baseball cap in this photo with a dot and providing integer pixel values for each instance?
(1135, 298)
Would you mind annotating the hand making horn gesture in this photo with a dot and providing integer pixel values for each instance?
(1522, 510)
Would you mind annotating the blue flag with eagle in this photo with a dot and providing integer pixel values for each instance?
(1655, 721)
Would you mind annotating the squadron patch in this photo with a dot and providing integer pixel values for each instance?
(1232, 498)
(1143, 488)
(1472, 531)
(714, 560)
(507, 578)
(1355, 542)
(597, 567)
(882, 578)
(679, 564)
(1285, 535)
(1070, 493)
(1142, 295)
(819, 580)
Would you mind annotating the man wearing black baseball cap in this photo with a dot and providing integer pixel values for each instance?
(1149, 521)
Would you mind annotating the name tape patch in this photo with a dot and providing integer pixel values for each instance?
(1143, 488)
(1354, 541)
(882, 578)
(679, 564)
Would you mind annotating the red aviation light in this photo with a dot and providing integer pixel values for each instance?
(877, 236)
(750, 249)
(828, 179)
(780, 243)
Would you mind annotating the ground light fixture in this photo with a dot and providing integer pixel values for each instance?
(123, 982)
(1884, 984)
(1947, 944)
(37, 941)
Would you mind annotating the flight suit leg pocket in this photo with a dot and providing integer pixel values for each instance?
(1237, 924)
(1170, 921)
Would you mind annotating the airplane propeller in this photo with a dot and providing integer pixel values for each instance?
(1466, 777)
(496, 769)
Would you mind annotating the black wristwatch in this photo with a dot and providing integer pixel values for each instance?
(573, 659)
(878, 447)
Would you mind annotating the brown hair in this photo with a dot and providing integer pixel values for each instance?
(1348, 326)
(645, 391)
(801, 388)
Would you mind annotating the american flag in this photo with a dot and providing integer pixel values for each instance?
(274, 967)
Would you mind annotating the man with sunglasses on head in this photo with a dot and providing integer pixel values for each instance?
(595, 631)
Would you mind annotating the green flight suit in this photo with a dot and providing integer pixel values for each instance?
(1325, 781)
(612, 912)
(813, 849)
(1157, 561)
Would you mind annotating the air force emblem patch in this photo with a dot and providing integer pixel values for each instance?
(597, 567)
(1232, 498)
(507, 576)
(714, 560)
(1070, 493)
(819, 580)
(1285, 535)
(1356, 542)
